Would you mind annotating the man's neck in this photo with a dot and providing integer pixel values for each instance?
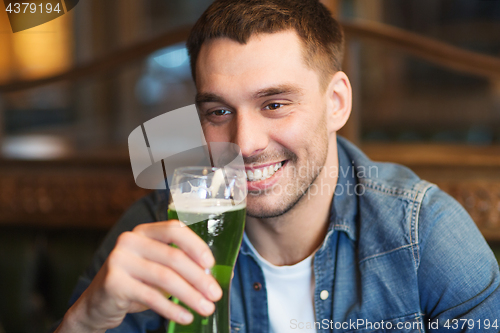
(295, 235)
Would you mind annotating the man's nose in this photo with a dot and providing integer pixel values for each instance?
(250, 133)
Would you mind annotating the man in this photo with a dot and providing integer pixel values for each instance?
(333, 240)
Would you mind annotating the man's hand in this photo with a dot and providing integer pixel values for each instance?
(139, 271)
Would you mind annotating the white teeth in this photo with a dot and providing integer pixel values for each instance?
(263, 173)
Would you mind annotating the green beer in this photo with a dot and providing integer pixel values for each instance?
(221, 227)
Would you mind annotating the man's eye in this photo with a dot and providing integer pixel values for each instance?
(220, 112)
(273, 106)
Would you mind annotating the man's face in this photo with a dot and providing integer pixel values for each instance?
(263, 97)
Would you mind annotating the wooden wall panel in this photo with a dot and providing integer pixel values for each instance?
(66, 194)
(94, 192)
(471, 174)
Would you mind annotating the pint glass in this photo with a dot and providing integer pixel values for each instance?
(211, 201)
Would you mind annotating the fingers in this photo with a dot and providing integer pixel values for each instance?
(172, 232)
(178, 262)
(170, 281)
(147, 257)
(143, 267)
(154, 300)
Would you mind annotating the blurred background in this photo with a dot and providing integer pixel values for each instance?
(426, 80)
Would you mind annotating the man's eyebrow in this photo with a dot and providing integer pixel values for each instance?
(284, 89)
(207, 98)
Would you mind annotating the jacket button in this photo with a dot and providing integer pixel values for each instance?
(323, 295)
(257, 286)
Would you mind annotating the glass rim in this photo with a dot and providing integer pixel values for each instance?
(189, 171)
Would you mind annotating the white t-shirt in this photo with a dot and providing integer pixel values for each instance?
(290, 294)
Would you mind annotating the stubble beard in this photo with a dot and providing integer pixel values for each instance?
(288, 201)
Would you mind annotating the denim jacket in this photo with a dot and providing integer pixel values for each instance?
(400, 255)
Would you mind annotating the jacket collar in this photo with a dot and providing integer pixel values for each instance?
(344, 209)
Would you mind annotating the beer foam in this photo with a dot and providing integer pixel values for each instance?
(206, 206)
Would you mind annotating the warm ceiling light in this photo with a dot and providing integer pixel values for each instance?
(43, 50)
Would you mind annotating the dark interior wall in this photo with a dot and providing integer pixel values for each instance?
(39, 269)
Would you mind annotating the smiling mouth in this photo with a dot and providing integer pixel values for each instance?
(264, 173)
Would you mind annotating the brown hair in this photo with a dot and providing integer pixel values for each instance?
(320, 33)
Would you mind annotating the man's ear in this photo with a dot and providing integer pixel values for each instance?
(339, 101)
